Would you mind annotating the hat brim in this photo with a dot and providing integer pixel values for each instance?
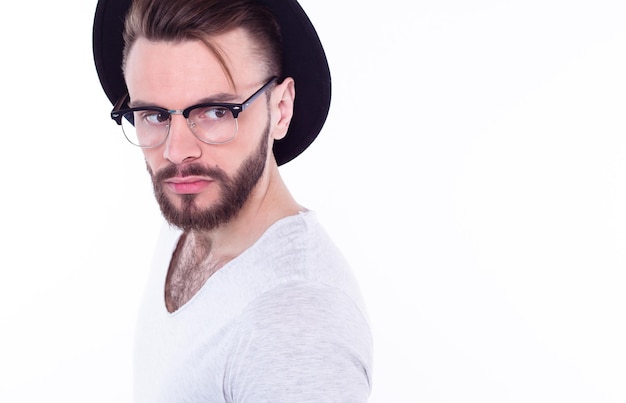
(304, 60)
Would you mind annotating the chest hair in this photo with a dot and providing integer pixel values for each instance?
(191, 266)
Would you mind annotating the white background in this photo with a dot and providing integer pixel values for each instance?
(473, 169)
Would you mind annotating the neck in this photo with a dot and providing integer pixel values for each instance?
(201, 253)
(269, 202)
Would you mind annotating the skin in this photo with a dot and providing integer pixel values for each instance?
(177, 75)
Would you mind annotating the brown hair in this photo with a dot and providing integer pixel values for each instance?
(182, 20)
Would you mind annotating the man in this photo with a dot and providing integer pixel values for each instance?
(249, 300)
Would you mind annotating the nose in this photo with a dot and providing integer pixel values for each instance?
(181, 144)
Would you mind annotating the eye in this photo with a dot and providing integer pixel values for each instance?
(212, 113)
(154, 117)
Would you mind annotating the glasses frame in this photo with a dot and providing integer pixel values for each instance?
(117, 114)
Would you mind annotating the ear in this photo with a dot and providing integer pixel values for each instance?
(283, 98)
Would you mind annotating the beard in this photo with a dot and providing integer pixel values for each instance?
(234, 191)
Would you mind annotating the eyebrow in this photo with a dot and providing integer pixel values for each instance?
(221, 98)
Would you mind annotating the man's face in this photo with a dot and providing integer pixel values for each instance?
(235, 190)
(201, 186)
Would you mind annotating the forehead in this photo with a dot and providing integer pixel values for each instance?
(184, 71)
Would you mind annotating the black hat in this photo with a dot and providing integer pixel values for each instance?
(303, 59)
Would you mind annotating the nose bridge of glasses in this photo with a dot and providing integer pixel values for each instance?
(177, 112)
(185, 114)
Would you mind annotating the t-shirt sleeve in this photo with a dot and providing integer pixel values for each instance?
(300, 343)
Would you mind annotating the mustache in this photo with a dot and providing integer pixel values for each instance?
(172, 171)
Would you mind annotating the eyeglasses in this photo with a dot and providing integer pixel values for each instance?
(211, 122)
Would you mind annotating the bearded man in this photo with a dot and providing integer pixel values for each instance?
(248, 300)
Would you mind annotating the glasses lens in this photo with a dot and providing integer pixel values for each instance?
(146, 127)
(213, 124)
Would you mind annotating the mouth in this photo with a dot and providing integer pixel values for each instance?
(188, 185)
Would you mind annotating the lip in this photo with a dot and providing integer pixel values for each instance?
(188, 184)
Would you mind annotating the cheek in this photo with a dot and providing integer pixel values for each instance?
(230, 156)
(253, 128)
(151, 159)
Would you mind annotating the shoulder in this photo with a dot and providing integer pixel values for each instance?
(304, 304)
(295, 250)
(301, 341)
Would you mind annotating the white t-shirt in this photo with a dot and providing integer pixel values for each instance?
(282, 322)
